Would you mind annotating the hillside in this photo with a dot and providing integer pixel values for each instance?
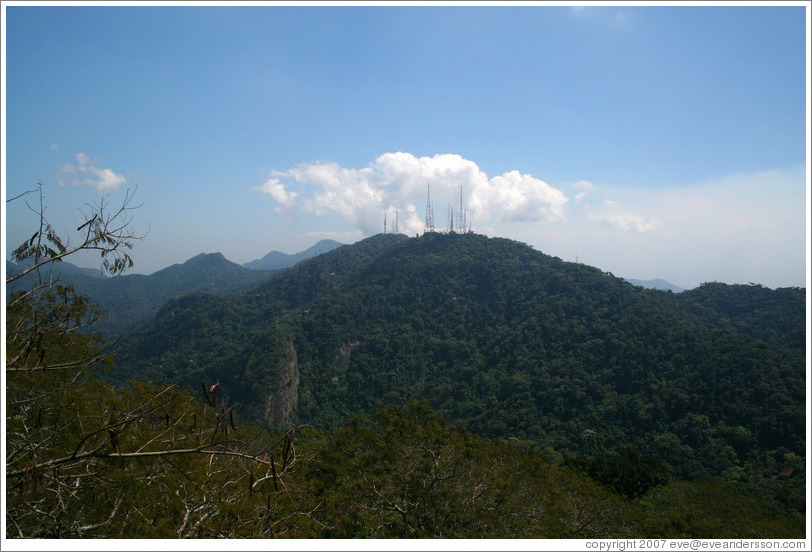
(498, 337)
(775, 316)
(131, 300)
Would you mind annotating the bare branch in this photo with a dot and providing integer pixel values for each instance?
(146, 454)
(21, 195)
(109, 233)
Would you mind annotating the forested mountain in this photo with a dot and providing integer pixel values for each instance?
(276, 260)
(775, 316)
(129, 301)
(509, 343)
(443, 386)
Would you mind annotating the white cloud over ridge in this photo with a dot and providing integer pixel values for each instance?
(88, 174)
(736, 228)
(399, 181)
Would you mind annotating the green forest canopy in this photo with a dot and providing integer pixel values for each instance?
(557, 402)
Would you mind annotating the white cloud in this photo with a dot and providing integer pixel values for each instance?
(612, 213)
(398, 182)
(515, 197)
(276, 190)
(86, 173)
(585, 186)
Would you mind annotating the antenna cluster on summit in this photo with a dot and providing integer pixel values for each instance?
(395, 229)
(462, 226)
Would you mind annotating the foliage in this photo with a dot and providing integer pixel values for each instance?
(775, 316)
(86, 460)
(626, 473)
(708, 509)
(108, 232)
(410, 474)
(507, 342)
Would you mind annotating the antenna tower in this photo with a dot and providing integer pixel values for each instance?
(429, 226)
(462, 214)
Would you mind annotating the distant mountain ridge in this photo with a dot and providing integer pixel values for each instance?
(276, 260)
(130, 300)
(12, 269)
(658, 283)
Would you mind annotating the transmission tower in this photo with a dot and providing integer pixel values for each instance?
(429, 225)
(461, 214)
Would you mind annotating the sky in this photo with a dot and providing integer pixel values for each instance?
(650, 141)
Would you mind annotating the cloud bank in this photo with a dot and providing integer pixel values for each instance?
(400, 182)
(86, 173)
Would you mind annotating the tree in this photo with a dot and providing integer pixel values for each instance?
(107, 231)
(86, 460)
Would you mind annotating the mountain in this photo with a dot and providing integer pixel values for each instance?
(60, 268)
(12, 269)
(656, 284)
(276, 260)
(131, 300)
(504, 340)
(775, 316)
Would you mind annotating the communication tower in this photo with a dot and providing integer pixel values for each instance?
(429, 225)
(462, 214)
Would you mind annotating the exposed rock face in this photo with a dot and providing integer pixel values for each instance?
(284, 397)
(344, 353)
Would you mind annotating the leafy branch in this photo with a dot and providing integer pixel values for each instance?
(105, 229)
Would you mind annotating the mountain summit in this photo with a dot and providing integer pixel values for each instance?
(276, 260)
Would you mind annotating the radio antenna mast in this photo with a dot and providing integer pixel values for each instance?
(429, 225)
(461, 215)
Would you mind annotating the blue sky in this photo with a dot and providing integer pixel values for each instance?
(649, 141)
